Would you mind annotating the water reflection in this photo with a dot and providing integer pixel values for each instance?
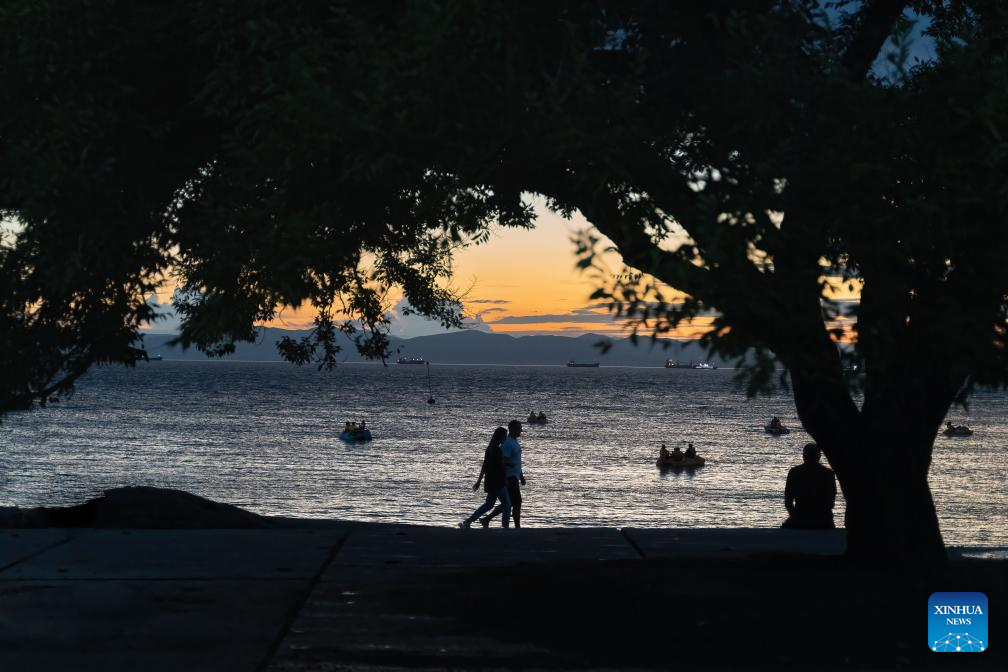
(264, 436)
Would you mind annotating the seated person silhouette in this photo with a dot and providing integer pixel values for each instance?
(775, 423)
(810, 493)
(690, 452)
(663, 453)
(677, 454)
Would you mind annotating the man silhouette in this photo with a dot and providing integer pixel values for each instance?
(515, 478)
(810, 493)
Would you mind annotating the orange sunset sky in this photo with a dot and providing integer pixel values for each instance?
(521, 282)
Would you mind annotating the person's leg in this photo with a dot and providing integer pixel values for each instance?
(514, 491)
(491, 497)
(505, 507)
(485, 520)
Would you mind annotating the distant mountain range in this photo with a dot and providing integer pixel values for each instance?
(473, 347)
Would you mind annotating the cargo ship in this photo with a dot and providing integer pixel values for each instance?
(672, 364)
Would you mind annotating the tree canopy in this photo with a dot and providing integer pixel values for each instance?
(746, 154)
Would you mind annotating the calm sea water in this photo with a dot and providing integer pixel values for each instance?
(263, 436)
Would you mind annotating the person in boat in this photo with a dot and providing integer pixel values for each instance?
(532, 417)
(690, 452)
(513, 474)
(541, 417)
(663, 453)
(347, 428)
(775, 424)
(363, 426)
(810, 493)
(353, 427)
(677, 454)
(492, 476)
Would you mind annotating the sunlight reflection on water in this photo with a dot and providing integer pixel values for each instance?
(264, 436)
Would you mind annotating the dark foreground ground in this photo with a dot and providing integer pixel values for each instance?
(771, 612)
(301, 595)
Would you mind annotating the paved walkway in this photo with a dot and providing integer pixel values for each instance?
(297, 599)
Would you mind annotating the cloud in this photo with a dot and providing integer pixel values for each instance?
(476, 323)
(493, 301)
(593, 313)
(491, 310)
(573, 316)
(410, 326)
(167, 321)
(614, 330)
(842, 302)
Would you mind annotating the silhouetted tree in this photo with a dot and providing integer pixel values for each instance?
(752, 160)
(747, 154)
(260, 154)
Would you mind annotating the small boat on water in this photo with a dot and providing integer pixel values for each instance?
(356, 436)
(534, 419)
(682, 463)
(957, 430)
(583, 365)
(776, 431)
(154, 358)
(411, 360)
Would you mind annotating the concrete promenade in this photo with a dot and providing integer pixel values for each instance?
(326, 597)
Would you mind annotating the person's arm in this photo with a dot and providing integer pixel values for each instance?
(521, 474)
(483, 470)
(789, 493)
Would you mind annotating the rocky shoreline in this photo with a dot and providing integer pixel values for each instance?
(140, 507)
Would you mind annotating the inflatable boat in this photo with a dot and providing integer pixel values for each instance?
(958, 430)
(684, 463)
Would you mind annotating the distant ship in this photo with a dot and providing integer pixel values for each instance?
(411, 360)
(586, 365)
(154, 358)
(671, 364)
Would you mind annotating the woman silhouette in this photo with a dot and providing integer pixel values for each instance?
(492, 475)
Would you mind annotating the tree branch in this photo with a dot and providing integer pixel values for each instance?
(639, 250)
(871, 29)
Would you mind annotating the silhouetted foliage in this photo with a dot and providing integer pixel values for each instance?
(262, 154)
(744, 153)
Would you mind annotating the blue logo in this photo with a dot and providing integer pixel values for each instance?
(957, 622)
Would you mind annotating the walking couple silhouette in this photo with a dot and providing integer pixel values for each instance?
(502, 479)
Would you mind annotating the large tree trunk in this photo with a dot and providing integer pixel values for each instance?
(891, 517)
(881, 455)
